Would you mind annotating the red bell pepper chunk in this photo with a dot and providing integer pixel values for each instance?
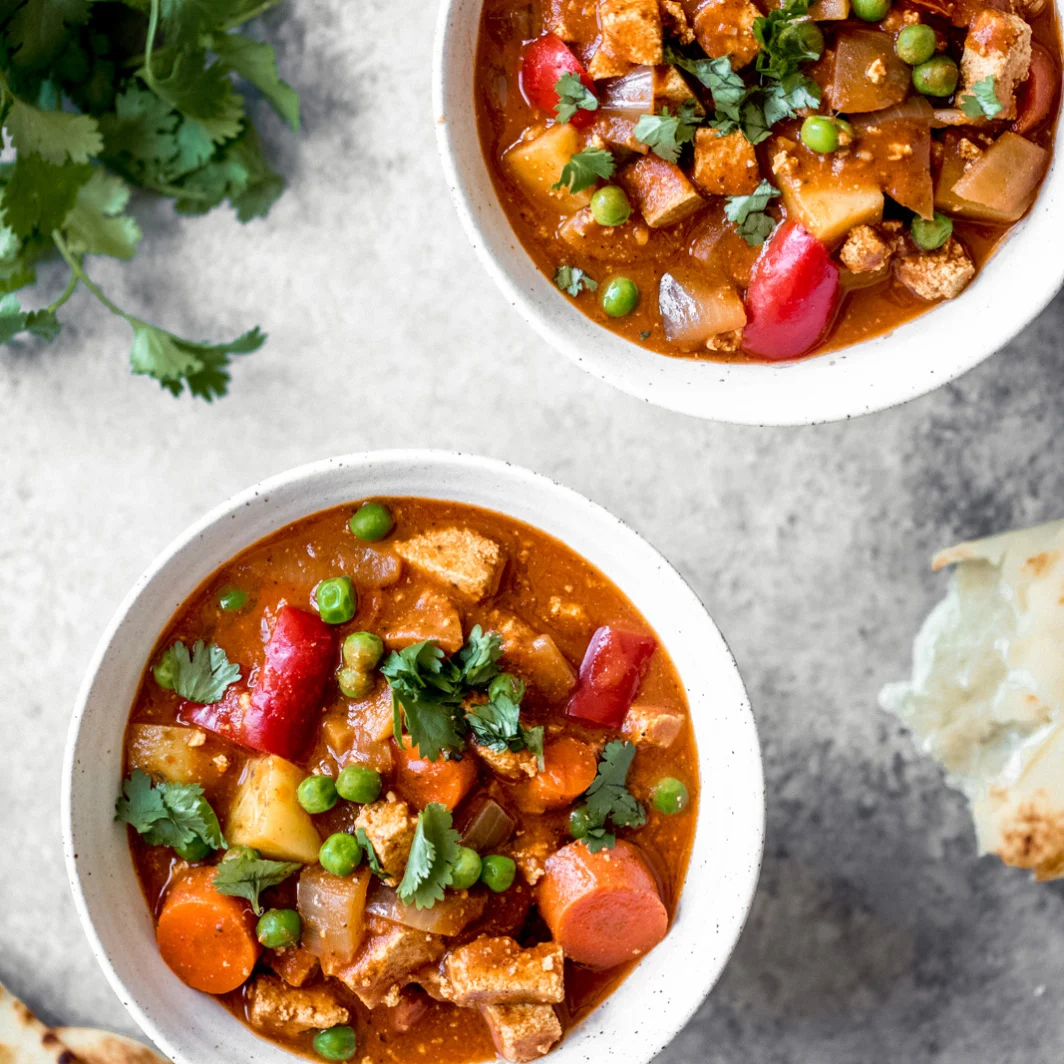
(545, 60)
(613, 668)
(793, 294)
(279, 716)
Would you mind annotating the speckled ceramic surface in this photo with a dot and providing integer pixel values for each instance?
(664, 991)
(922, 355)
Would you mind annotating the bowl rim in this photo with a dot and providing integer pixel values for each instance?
(910, 361)
(746, 882)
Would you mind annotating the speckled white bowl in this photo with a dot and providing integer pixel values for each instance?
(916, 358)
(664, 991)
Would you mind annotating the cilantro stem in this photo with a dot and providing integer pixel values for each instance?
(248, 16)
(65, 295)
(149, 43)
(86, 280)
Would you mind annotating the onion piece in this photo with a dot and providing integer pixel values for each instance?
(694, 309)
(488, 827)
(1005, 178)
(333, 912)
(447, 917)
(630, 96)
(915, 108)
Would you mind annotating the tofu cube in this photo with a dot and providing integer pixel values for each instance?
(940, 274)
(998, 45)
(267, 816)
(507, 764)
(660, 190)
(462, 559)
(522, 1033)
(671, 90)
(725, 163)
(433, 616)
(295, 965)
(280, 1009)
(390, 827)
(726, 27)
(652, 725)
(496, 971)
(631, 30)
(389, 954)
(865, 251)
(536, 165)
(604, 65)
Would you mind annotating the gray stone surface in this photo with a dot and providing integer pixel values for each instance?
(876, 935)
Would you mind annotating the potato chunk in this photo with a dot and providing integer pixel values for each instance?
(537, 164)
(266, 815)
(177, 754)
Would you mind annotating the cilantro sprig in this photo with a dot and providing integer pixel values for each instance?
(91, 118)
(574, 280)
(168, 814)
(609, 803)
(585, 168)
(665, 134)
(430, 866)
(573, 96)
(201, 676)
(748, 213)
(982, 101)
(496, 723)
(246, 874)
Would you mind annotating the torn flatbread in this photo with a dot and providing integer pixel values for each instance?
(93, 1046)
(24, 1039)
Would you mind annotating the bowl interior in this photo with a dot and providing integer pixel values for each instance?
(658, 998)
(1014, 286)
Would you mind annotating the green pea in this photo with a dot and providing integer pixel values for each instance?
(820, 134)
(195, 850)
(931, 233)
(937, 77)
(579, 822)
(610, 206)
(354, 684)
(466, 869)
(363, 651)
(232, 599)
(336, 1043)
(337, 600)
(279, 928)
(317, 794)
(497, 872)
(340, 854)
(356, 783)
(915, 44)
(802, 38)
(871, 10)
(619, 297)
(670, 796)
(371, 521)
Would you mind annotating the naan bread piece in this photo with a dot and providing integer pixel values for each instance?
(93, 1046)
(24, 1039)
(986, 698)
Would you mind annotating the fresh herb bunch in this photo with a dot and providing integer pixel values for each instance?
(102, 97)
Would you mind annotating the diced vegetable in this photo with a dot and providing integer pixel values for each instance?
(602, 908)
(829, 10)
(266, 814)
(1005, 178)
(172, 753)
(569, 767)
(422, 781)
(207, 938)
(695, 308)
(488, 827)
(449, 916)
(537, 165)
(629, 96)
(907, 180)
(544, 62)
(615, 662)
(856, 52)
(793, 294)
(333, 912)
(1035, 97)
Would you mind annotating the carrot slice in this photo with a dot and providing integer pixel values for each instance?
(569, 766)
(602, 908)
(423, 781)
(207, 938)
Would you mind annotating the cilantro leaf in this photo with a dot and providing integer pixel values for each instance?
(244, 874)
(479, 658)
(430, 866)
(142, 126)
(372, 859)
(573, 96)
(496, 723)
(13, 320)
(787, 39)
(608, 800)
(573, 280)
(55, 136)
(256, 62)
(785, 98)
(39, 29)
(40, 195)
(982, 101)
(726, 86)
(96, 224)
(168, 814)
(584, 168)
(426, 691)
(185, 21)
(201, 92)
(665, 133)
(747, 212)
(201, 676)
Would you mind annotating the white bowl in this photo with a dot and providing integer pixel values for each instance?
(667, 987)
(1009, 292)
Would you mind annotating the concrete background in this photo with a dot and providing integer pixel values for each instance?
(877, 936)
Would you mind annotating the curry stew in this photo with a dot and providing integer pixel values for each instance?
(409, 779)
(738, 180)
